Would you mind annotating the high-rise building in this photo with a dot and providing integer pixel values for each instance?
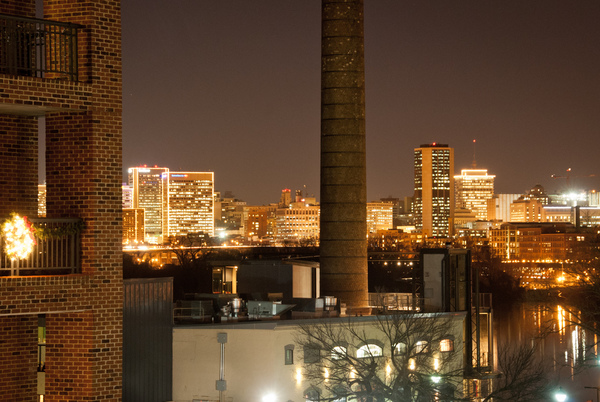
(297, 223)
(150, 193)
(472, 189)
(434, 189)
(190, 203)
(133, 226)
(499, 207)
(380, 216)
(41, 200)
(127, 196)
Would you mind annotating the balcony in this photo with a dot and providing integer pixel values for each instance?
(56, 252)
(38, 48)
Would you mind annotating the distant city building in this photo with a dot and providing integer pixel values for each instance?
(127, 196)
(594, 198)
(230, 215)
(190, 203)
(380, 216)
(133, 226)
(537, 242)
(286, 198)
(434, 189)
(41, 200)
(473, 188)
(526, 210)
(297, 223)
(498, 207)
(260, 222)
(150, 193)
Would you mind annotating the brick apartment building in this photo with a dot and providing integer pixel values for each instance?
(61, 322)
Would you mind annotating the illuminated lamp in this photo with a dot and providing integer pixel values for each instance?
(18, 237)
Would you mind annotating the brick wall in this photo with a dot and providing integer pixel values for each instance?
(70, 334)
(18, 358)
(83, 175)
(22, 8)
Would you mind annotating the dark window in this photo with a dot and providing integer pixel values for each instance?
(289, 354)
(311, 355)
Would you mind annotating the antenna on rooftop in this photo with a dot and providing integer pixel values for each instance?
(474, 149)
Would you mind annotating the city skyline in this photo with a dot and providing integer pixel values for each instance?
(236, 91)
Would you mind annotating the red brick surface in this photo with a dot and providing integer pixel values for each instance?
(83, 175)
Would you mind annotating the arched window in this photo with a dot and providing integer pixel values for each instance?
(400, 349)
(338, 352)
(422, 347)
(368, 350)
(447, 345)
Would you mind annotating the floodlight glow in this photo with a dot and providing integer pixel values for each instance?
(436, 379)
(269, 398)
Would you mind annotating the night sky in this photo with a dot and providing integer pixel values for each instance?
(234, 87)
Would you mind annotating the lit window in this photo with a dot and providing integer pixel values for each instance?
(400, 348)
(338, 353)
(447, 345)
(422, 347)
(369, 350)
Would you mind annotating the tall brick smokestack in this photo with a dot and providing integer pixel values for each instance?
(343, 159)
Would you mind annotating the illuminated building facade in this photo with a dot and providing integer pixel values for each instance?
(127, 196)
(260, 222)
(190, 202)
(526, 210)
(380, 216)
(473, 187)
(297, 223)
(133, 226)
(41, 200)
(434, 189)
(498, 207)
(150, 193)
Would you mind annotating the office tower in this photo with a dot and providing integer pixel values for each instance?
(150, 193)
(286, 198)
(67, 305)
(190, 203)
(434, 189)
(499, 207)
(298, 224)
(260, 222)
(41, 200)
(380, 216)
(343, 252)
(133, 226)
(472, 188)
(127, 196)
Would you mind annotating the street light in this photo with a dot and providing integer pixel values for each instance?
(560, 395)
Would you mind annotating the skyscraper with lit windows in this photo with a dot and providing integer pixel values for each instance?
(473, 187)
(190, 203)
(150, 193)
(434, 189)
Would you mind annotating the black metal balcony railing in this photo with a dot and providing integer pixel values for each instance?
(58, 254)
(38, 48)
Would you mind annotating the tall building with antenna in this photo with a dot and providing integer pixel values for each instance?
(434, 189)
